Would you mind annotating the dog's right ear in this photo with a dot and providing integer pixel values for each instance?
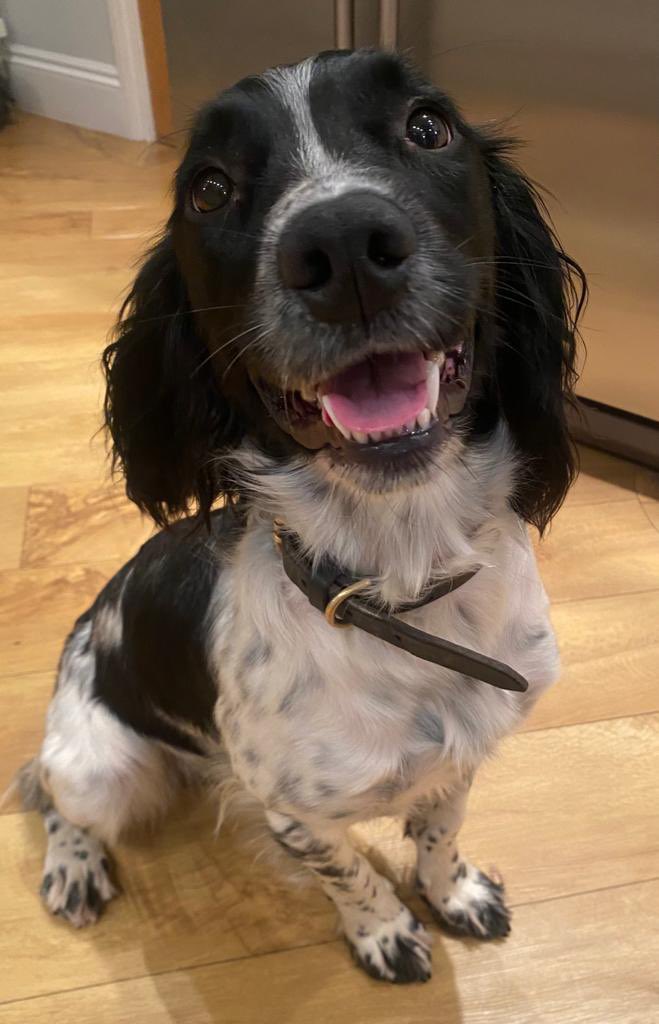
(163, 407)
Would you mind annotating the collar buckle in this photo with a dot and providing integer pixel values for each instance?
(333, 605)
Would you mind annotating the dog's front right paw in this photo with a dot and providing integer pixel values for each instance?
(397, 950)
(76, 883)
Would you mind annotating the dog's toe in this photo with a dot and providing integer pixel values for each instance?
(396, 950)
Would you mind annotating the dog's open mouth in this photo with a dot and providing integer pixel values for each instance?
(389, 401)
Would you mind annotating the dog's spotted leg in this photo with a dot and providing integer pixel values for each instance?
(463, 900)
(76, 879)
(383, 935)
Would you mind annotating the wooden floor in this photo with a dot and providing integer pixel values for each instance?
(568, 812)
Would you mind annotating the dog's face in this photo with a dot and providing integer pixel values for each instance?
(334, 220)
(350, 273)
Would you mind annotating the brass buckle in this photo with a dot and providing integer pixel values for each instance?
(333, 606)
(277, 527)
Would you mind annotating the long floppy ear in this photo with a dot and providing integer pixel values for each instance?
(163, 408)
(539, 293)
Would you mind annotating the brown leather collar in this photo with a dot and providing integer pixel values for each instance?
(335, 593)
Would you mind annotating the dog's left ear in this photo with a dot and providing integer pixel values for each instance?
(539, 296)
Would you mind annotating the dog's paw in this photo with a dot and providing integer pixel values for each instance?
(396, 950)
(473, 907)
(76, 881)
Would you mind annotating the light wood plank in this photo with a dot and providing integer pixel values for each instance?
(37, 336)
(606, 972)
(37, 610)
(50, 424)
(651, 510)
(23, 704)
(610, 655)
(82, 523)
(598, 550)
(13, 505)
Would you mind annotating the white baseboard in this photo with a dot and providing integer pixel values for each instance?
(88, 93)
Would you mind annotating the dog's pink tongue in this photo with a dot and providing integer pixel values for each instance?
(383, 392)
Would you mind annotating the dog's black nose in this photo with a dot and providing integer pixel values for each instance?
(347, 257)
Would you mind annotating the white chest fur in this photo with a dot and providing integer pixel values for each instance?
(340, 724)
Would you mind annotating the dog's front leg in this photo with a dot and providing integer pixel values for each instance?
(384, 936)
(462, 898)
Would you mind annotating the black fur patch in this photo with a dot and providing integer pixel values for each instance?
(161, 663)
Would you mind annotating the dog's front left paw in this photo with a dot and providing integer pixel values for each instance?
(474, 906)
(397, 950)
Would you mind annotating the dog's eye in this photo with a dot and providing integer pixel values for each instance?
(428, 130)
(211, 189)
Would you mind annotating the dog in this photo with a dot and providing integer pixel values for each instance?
(350, 348)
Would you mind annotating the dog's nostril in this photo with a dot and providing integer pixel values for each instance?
(318, 269)
(303, 267)
(388, 248)
(381, 251)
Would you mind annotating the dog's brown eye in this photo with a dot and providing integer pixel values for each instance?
(211, 189)
(428, 130)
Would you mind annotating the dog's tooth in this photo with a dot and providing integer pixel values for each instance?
(308, 394)
(327, 406)
(432, 385)
(410, 426)
(423, 419)
(360, 437)
(375, 435)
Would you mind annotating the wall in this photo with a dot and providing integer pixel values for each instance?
(80, 61)
(79, 28)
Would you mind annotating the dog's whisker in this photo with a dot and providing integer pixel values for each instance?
(240, 354)
(189, 312)
(216, 351)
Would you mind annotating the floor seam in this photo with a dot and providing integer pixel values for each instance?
(292, 949)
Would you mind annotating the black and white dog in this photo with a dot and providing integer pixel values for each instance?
(359, 325)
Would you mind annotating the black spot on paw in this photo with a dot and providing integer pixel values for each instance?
(92, 895)
(405, 961)
(73, 899)
(46, 884)
(81, 854)
(53, 828)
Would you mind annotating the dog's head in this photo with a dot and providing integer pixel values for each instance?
(350, 273)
